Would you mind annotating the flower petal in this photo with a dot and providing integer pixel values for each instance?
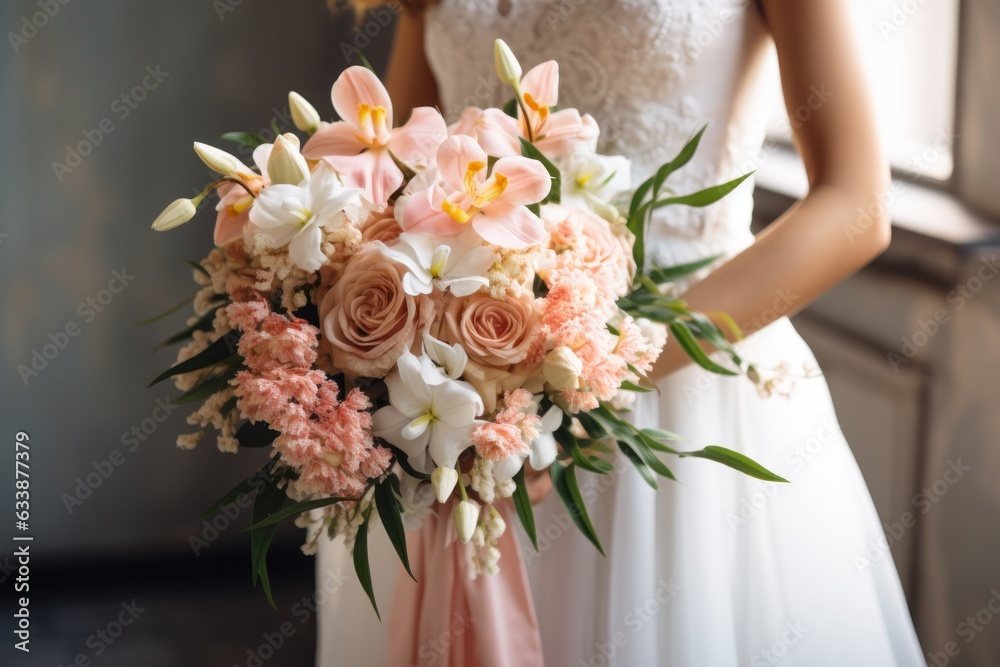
(447, 443)
(527, 180)
(373, 171)
(454, 157)
(335, 139)
(408, 391)
(456, 403)
(305, 248)
(358, 85)
(388, 423)
(513, 227)
(542, 82)
(416, 142)
(419, 215)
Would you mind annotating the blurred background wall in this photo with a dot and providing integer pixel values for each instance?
(102, 100)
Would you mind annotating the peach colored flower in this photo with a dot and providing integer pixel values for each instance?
(591, 241)
(493, 332)
(362, 145)
(369, 319)
(381, 226)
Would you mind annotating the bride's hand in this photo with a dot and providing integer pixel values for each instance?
(539, 484)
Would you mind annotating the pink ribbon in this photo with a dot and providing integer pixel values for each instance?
(448, 619)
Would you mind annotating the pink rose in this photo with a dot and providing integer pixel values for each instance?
(367, 317)
(381, 226)
(593, 242)
(497, 333)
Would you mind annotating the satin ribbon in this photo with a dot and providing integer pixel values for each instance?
(449, 619)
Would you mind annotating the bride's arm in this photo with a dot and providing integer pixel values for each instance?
(409, 79)
(825, 237)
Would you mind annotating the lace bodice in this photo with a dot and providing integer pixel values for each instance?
(651, 72)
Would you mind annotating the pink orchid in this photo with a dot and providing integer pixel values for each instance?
(494, 204)
(362, 146)
(555, 133)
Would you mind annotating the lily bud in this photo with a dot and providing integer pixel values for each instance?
(219, 160)
(508, 69)
(304, 115)
(176, 214)
(562, 368)
(466, 517)
(443, 479)
(286, 164)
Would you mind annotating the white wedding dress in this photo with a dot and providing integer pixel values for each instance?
(717, 569)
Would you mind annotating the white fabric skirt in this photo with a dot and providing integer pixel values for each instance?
(714, 570)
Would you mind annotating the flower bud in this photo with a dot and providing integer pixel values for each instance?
(219, 160)
(304, 115)
(466, 517)
(443, 479)
(286, 164)
(176, 214)
(562, 368)
(508, 69)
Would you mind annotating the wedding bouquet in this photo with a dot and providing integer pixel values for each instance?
(405, 316)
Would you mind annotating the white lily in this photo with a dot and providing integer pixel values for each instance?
(427, 414)
(590, 180)
(295, 215)
(466, 515)
(285, 163)
(222, 162)
(452, 359)
(304, 115)
(456, 263)
(542, 452)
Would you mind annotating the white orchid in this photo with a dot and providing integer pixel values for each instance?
(590, 180)
(456, 263)
(541, 453)
(296, 215)
(452, 359)
(428, 414)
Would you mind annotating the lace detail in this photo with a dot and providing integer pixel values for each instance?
(651, 72)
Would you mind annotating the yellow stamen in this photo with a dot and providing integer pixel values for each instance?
(471, 172)
(240, 206)
(455, 212)
(490, 193)
(540, 109)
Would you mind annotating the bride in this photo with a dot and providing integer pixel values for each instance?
(717, 569)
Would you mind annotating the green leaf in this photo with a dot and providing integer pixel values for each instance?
(169, 311)
(252, 483)
(210, 386)
(522, 503)
(640, 466)
(704, 197)
(683, 157)
(631, 386)
(568, 489)
(510, 108)
(529, 150)
(274, 518)
(203, 324)
(693, 349)
(269, 500)
(736, 461)
(660, 275)
(404, 462)
(198, 267)
(255, 434)
(640, 195)
(361, 565)
(592, 463)
(217, 352)
(387, 502)
(250, 139)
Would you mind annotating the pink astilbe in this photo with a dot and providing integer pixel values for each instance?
(513, 429)
(328, 441)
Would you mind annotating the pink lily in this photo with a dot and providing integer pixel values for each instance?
(362, 145)
(495, 205)
(558, 133)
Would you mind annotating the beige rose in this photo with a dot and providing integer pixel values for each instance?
(493, 332)
(367, 317)
(381, 227)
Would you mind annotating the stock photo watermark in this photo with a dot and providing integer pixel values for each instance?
(35, 22)
(88, 310)
(121, 108)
